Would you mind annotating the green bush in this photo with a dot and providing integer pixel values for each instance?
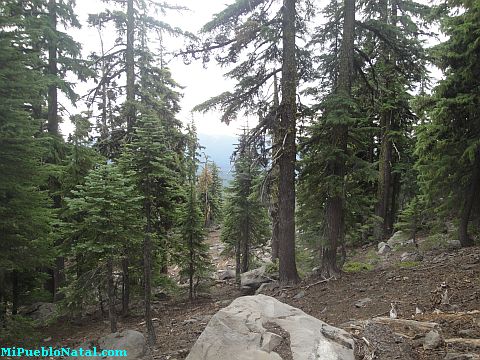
(357, 266)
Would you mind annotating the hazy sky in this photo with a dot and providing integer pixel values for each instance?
(200, 84)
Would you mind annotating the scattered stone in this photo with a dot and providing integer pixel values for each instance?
(469, 333)
(432, 340)
(398, 239)
(270, 341)
(41, 312)
(454, 244)
(300, 295)
(384, 249)
(240, 328)
(380, 245)
(255, 278)
(363, 302)
(460, 356)
(190, 321)
(413, 256)
(266, 287)
(160, 294)
(226, 274)
(130, 340)
(464, 343)
(224, 303)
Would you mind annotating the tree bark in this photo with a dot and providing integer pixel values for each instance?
(112, 316)
(238, 266)
(52, 125)
(125, 286)
(470, 196)
(15, 292)
(276, 146)
(384, 191)
(147, 274)
(286, 202)
(335, 203)
(130, 65)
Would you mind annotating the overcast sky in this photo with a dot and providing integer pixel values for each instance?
(200, 84)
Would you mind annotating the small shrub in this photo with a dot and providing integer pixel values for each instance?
(356, 266)
(19, 330)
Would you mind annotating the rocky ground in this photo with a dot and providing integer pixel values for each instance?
(442, 288)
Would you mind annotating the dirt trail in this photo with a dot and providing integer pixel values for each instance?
(179, 323)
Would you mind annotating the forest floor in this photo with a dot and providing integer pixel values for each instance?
(412, 285)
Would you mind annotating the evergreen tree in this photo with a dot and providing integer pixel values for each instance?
(210, 193)
(194, 260)
(448, 148)
(153, 165)
(262, 33)
(246, 223)
(104, 218)
(25, 217)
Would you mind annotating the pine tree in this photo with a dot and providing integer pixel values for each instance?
(263, 34)
(194, 261)
(210, 193)
(25, 217)
(246, 222)
(104, 217)
(448, 148)
(153, 163)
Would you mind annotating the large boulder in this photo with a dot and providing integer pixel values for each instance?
(398, 239)
(261, 328)
(254, 278)
(41, 312)
(130, 340)
(226, 274)
(383, 248)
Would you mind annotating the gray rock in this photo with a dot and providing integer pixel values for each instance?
(130, 340)
(363, 302)
(255, 278)
(238, 333)
(454, 244)
(432, 340)
(226, 274)
(413, 256)
(460, 356)
(270, 341)
(468, 333)
(300, 295)
(266, 287)
(41, 312)
(398, 239)
(380, 245)
(384, 249)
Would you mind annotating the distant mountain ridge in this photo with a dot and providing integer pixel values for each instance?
(219, 149)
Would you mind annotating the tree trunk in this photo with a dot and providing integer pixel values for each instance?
(130, 66)
(238, 266)
(191, 269)
(15, 292)
(112, 316)
(125, 286)
(286, 202)
(470, 196)
(52, 125)
(335, 203)
(384, 191)
(3, 308)
(276, 146)
(147, 274)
